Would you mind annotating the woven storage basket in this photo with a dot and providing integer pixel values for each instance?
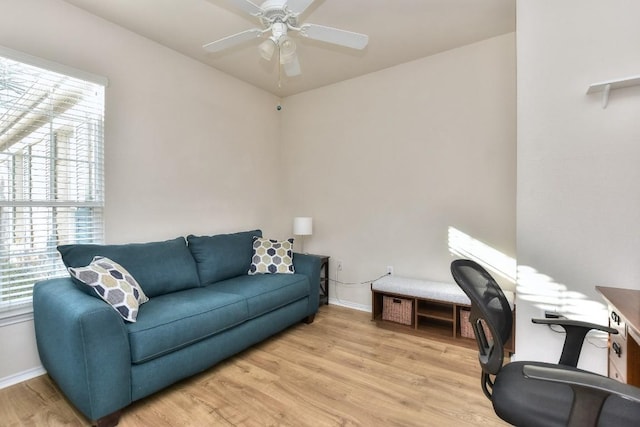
(466, 330)
(398, 310)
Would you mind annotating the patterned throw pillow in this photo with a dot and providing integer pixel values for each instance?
(272, 256)
(113, 284)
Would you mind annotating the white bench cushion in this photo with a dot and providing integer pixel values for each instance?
(419, 288)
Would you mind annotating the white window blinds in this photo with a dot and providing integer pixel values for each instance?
(51, 173)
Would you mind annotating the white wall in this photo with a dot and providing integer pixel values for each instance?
(385, 163)
(188, 149)
(578, 203)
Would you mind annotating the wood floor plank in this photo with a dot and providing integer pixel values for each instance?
(341, 370)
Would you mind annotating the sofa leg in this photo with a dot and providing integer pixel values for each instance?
(309, 319)
(110, 420)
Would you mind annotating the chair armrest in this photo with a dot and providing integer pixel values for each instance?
(575, 323)
(591, 391)
(309, 265)
(84, 346)
(576, 331)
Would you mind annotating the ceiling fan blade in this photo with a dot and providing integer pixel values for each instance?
(232, 40)
(298, 6)
(334, 36)
(247, 6)
(292, 68)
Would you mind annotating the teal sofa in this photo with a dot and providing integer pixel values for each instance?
(203, 307)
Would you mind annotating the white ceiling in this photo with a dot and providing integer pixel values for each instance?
(399, 31)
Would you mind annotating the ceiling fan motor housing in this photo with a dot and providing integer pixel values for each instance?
(276, 11)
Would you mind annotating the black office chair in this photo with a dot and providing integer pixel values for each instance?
(536, 393)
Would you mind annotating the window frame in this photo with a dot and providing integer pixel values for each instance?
(12, 313)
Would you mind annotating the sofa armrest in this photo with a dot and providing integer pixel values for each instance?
(309, 265)
(83, 345)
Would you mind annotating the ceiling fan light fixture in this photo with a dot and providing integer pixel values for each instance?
(267, 48)
(292, 69)
(287, 49)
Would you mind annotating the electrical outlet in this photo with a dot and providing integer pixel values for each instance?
(390, 269)
(339, 265)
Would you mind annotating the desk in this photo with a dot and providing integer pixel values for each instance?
(624, 347)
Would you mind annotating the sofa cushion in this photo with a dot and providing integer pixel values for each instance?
(272, 256)
(267, 292)
(113, 284)
(173, 321)
(223, 256)
(159, 267)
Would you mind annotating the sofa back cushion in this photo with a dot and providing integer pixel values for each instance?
(223, 256)
(159, 267)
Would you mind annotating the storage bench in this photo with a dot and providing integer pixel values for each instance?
(435, 308)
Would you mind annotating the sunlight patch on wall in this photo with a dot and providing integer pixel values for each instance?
(540, 290)
(545, 293)
(465, 246)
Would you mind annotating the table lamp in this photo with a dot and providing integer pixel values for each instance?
(302, 226)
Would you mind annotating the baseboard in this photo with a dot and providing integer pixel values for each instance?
(22, 376)
(353, 305)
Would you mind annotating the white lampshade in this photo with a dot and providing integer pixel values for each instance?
(303, 226)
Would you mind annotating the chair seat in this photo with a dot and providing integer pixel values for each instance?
(527, 402)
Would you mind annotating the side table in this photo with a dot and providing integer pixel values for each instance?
(324, 279)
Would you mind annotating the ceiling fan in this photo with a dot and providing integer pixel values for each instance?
(279, 18)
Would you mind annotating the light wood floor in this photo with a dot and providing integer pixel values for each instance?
(342, 370)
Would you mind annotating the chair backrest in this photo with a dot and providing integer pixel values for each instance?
(488, 305)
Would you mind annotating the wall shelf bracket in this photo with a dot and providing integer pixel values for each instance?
(608, 86)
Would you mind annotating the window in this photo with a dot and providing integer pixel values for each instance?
(51, 170)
